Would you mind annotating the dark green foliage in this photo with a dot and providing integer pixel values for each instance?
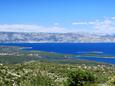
(80, 78)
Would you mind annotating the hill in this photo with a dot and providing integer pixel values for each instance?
(18, 37)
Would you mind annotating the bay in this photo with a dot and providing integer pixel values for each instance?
(105, 49)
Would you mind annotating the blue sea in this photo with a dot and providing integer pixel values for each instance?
(105, 49)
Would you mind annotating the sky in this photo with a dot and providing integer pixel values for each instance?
(57, 16)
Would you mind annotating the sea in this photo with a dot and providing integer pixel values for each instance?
(107, 50)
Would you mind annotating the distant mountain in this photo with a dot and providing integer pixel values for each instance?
(19, 37)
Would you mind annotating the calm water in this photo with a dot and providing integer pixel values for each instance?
(74, 48)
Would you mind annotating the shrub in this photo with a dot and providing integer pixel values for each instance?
(80, 78)
(111, 81)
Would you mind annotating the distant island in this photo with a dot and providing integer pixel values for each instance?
(78, 37)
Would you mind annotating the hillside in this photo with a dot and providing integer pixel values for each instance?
(17, 37)
(51, 74)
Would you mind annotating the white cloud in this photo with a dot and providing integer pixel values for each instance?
(112, 17)
(56, 24)
(79, 23)
(105, 25)
(30, 28)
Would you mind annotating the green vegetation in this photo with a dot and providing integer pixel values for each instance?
(52, 74)
(111, 81)
(81, 78)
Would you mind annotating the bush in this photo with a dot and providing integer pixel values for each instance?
(111, 81)
(80, 78)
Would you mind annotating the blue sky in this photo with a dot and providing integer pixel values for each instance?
(57, 15)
